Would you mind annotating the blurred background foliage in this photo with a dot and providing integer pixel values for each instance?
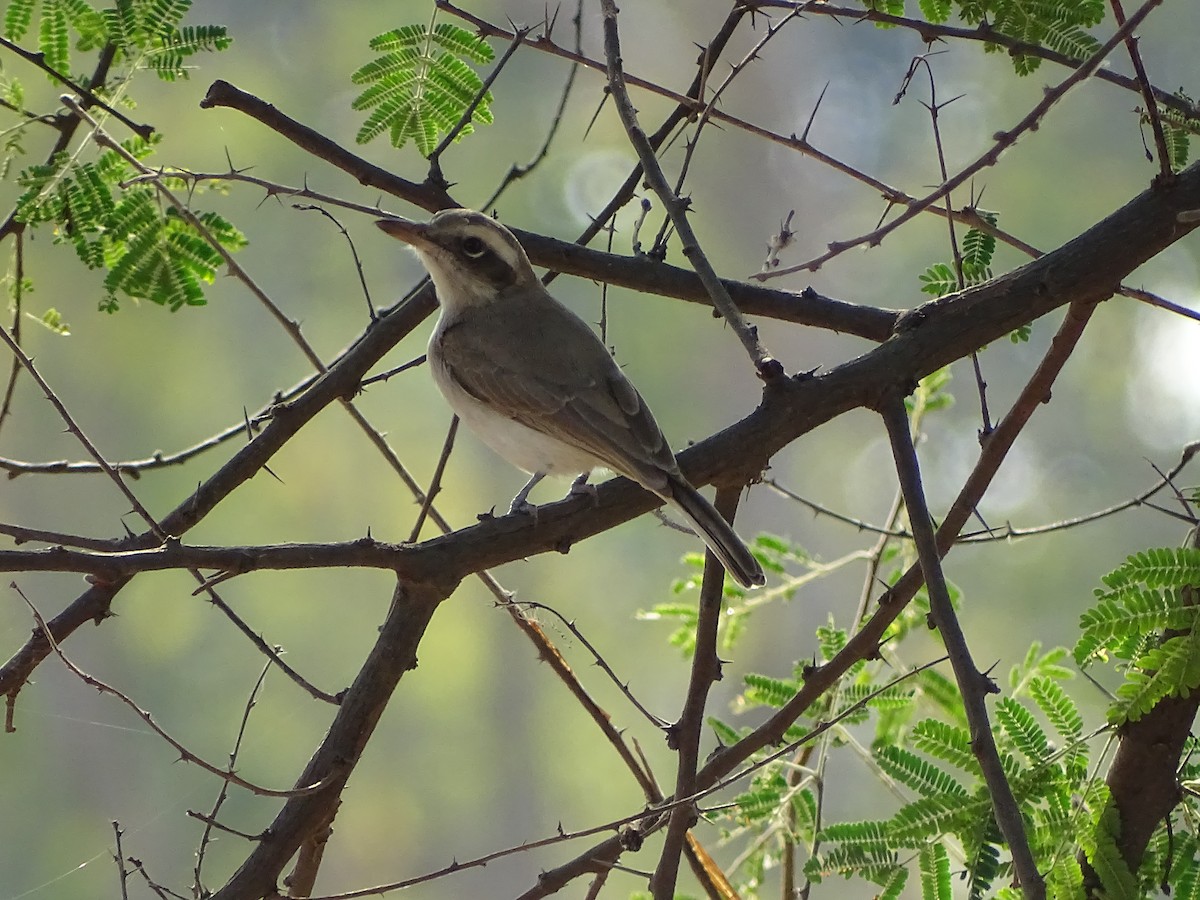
(478, 749)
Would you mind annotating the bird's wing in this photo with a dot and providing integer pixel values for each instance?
(571, 390)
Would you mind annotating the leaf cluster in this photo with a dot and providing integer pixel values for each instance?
(421, 86)
(975, 262)
(1146, 617)
(777, 555)
(112, 221)
(149, 253)
(1060, 25)
(1178, 129)
(146, 33)
(948, 812)
(945, 821)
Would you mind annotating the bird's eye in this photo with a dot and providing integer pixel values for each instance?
(474, 247)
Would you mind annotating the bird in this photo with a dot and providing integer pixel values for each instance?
(534, 382)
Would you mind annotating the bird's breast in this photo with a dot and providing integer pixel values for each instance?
(523, 446)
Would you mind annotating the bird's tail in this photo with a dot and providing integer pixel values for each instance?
(720, 537)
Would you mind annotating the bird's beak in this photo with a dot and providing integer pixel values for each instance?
(414, 234)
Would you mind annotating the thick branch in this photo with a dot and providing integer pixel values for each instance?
(928, 337)
(393, 655)
(641, 274)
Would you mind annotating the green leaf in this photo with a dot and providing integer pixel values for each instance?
(934, 865)
(52, 319)
(1170, 670)
(948, 743)
(855, 848)
(943, 693)
(418, 92)
(1121, 620)
(53, 39)
(893, 885)
(1057, 707)
(1177, 130)
(936, 11)
(1059, 24)
(764, 691)
(978, 248)
(930, 817)
(917, 774)
(1157, 567)
(17, 19)
(938, 280)
(160, 17)
(461, 42)
(1105, 858)
(806, 815)
(984, 866)
(763, 801)
(1023, 730)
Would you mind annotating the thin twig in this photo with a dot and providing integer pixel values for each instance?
(161, 891)
(134, 467)
(435, 484)
(18, 293)
(1165, 172)
(435, 158)
(119, 859)
(362, 278)
(516, 172)
(210, 819)
(986, 34)
(622, 686)
(1007, 531)
(185, 754)
(684, 735)
(1004, 140)
(75, 429)
(765, 365)
(145, 132)
(973, 684)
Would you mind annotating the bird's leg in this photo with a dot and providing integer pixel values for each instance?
(581, 488)
(520, 503)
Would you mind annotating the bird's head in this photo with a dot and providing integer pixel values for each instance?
(471, 258)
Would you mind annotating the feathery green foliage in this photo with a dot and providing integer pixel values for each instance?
(1145, 619)
(978, 248)
(421, 87)
(1059, 25)
(150, 254)
(953, 803)
(777, 555)
(145, 33)
(934, 864)
(1177, 130)
(935, 11)
(149, 251)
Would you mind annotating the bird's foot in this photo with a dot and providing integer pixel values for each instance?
(581, 488)
(522, 507)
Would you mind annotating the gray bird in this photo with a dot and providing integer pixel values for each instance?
(533, 381)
